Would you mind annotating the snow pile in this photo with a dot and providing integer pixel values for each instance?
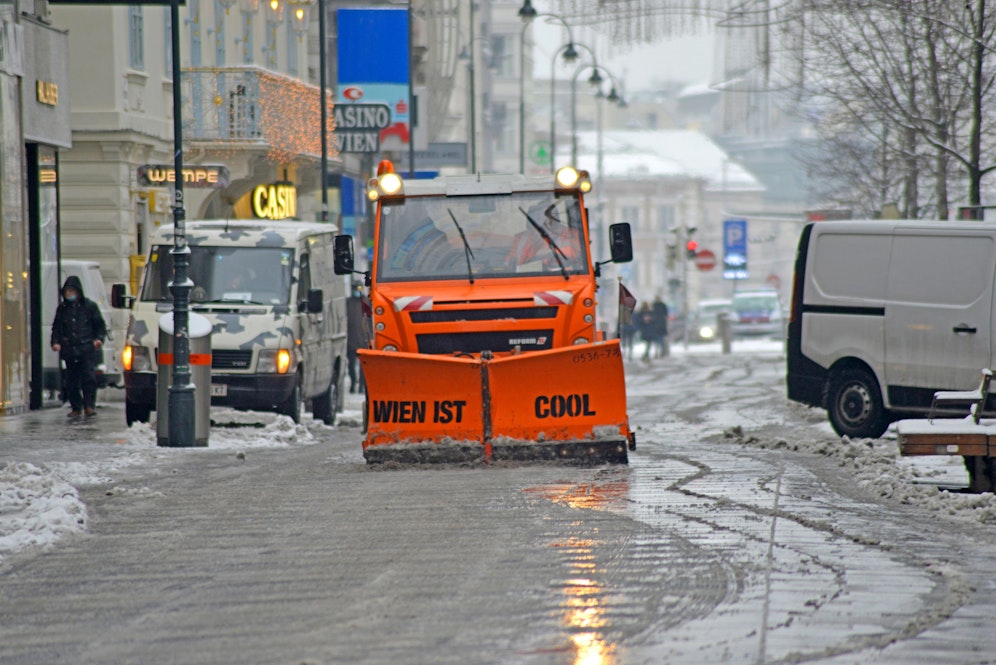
(39, 505)
(36, 507)
(876, 466)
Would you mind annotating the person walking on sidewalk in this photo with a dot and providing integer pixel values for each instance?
(78, 333)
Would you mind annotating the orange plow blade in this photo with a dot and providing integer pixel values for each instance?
(562, 404)
(567, 403)
(422, 407)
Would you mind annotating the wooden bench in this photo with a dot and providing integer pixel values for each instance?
(972, 437)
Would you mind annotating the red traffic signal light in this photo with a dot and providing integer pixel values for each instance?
(691, 247)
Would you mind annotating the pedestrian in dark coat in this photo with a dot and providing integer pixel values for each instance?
(357, 336)
(78, 333)
(643, 319)
(659, 316)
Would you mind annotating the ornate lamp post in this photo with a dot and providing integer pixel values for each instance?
(553, 98)
(301, 10)
(527, 13)
(596, 80)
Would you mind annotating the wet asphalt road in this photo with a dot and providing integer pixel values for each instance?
(701, 550)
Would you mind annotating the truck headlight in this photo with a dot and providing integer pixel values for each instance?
(273, 361)
(581, 340)
(136, 359)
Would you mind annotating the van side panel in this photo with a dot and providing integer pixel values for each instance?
(843, 307)
(939, 308)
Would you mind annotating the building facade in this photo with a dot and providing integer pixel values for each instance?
(34, 126)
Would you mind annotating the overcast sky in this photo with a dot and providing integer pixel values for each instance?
(688, 59)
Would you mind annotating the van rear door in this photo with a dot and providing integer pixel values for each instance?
(938, 312)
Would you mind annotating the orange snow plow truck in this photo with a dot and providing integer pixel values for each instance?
(484, 340)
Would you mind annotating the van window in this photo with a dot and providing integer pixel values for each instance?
(946, 270)
(852, 265)
(260, 275)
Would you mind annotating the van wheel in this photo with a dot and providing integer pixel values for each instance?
(325, 406)
(854, 405)
(292, 406)
(136, 413)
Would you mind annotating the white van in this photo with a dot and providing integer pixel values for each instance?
(277, 310)
(109, 357)
(884, 313)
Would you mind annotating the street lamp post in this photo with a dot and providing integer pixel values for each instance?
(553, 103)
(527, 13)
(181, 391)
(595, 80)
(300, 8)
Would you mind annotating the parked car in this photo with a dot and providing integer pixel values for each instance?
(757, 313)
(705, 324)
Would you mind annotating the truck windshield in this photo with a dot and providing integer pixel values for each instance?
(420, 240)
(260, 275)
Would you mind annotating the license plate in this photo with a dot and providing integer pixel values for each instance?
(219, 390)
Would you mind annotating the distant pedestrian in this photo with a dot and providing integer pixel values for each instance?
(357, 336)
(78, 333)
(627, 335)
(643, 318)
(659, 320)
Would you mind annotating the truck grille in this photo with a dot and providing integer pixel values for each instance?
(475, 342)
(230, 359)
(448, 316)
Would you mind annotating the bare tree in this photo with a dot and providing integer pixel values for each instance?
(915, 79)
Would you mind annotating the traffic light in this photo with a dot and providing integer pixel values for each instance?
(691, 248)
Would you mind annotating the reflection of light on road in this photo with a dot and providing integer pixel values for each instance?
(585, 614)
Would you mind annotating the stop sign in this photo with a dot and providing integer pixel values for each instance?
(705, 260)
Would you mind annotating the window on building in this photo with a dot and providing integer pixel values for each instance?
(168, 42)
(502, 60)
(292, 44)
(665, 218)
(219, 34)
(136, 38)
(271, 44)
(195, 33)
(630, 215)
(247, 38)
(503, 130)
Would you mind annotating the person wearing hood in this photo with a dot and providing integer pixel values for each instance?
(78, 332)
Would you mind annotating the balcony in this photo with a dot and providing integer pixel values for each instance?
(250, 108)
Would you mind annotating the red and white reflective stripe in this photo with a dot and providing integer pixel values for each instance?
(553, 297)
(413, 303)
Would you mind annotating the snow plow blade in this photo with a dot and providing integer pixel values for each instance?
(566, 404)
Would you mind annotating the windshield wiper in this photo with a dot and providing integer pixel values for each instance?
(468, 254)
(557, 252)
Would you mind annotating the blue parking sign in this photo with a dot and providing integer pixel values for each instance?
(735, 249)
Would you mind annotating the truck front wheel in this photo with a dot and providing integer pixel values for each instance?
(292, 405)
(325, 406)
(855, 406)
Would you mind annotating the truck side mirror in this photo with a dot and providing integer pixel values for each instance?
(342, 254)
(119, 297)
(315, 298)
(621, 243)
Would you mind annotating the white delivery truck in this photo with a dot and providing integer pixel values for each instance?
(277, 311)
(885, 313)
